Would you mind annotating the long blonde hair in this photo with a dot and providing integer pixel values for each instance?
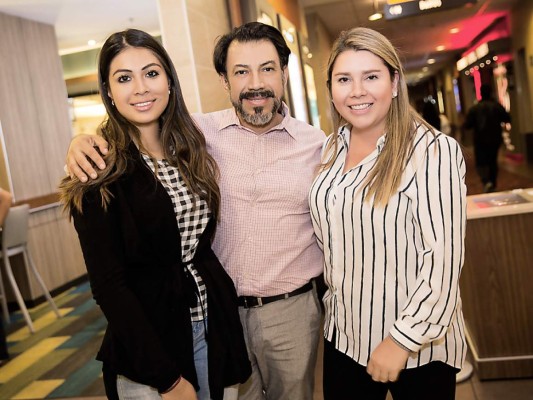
(183, 144)
(401, 122)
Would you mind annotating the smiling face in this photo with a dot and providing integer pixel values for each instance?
(256, 82)
(362, 91)
(139, 87)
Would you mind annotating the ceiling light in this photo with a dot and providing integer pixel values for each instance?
(91, 42)
(440, 48)
(431, 61)
(454, 30)
(377, 15)
(425, 69)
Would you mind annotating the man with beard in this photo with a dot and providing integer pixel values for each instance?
(264, 239)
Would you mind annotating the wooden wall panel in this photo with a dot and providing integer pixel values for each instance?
(55, 248)
(497, 293)
(18, 113)
(37, 130)
(49, 88)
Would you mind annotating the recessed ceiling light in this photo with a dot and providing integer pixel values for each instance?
(440, 48)
(431, 61)
(454, 30)
(375, 16)
(425, 69)
(91, 42)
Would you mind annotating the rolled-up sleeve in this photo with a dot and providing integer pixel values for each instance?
(439, 210)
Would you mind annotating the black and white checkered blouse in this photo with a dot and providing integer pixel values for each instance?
(192, 214)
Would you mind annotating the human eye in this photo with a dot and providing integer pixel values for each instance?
(152, 73)
(342, 79)
(240, 72)
(372, 77)
(269, 69)
(123, 78)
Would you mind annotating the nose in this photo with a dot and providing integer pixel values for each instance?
(358, 89)
(140, 86)
(256, 81)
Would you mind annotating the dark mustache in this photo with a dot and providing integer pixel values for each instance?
(256, 93)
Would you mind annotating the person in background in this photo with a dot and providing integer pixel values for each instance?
(388, 207)
(486, 119)
(5, 204)
(445, 126)
(265, 237)
(145, 227)
(430, 113)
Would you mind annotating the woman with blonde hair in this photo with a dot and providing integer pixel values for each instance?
(145, 227)
(388, 207)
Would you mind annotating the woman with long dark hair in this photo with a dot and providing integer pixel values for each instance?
(145, 227)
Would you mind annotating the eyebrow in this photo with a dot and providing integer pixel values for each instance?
(142, 69)
(369, 71)
(260, 65)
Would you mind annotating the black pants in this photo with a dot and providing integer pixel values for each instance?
(487, 162)
(344, 379)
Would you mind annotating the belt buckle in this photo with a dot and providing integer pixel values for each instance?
(258, 304)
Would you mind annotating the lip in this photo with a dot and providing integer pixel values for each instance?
(143, 105)
(360, 107)
(260, 100)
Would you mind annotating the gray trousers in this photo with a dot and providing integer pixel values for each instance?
(282, 341)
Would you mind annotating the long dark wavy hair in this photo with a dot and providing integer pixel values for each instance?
(183, 144)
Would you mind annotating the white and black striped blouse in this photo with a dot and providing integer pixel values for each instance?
(395, 270)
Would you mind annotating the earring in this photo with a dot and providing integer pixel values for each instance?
(168, 90)
(113, 103)
(394, 95)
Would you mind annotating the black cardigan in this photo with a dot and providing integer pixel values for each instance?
(133, 256)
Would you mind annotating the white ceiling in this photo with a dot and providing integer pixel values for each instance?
(77, 21)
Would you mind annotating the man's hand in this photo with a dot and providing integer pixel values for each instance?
(183, 391)
(81, 148)
(387, 361)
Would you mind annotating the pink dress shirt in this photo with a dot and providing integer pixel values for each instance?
(265, 237)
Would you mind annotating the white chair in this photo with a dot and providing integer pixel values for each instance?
(15, 241)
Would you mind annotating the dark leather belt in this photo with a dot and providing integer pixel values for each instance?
(251, 302)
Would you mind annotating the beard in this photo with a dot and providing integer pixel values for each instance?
(260, 117)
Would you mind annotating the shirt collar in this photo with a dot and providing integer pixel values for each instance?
(344, 133)
(230, 118)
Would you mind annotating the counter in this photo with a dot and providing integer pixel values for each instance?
(497, 283)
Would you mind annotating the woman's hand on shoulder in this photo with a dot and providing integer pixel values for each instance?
(81, 149)
(387, 361)
(184, 390)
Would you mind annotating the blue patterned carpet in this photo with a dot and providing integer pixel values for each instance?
(57, 361)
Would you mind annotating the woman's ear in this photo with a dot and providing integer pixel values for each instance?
(395, 81)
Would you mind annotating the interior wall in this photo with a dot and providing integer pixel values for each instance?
(320, 44)
(208, 20)
(37, 131)
(522, 38)
(189, 30)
